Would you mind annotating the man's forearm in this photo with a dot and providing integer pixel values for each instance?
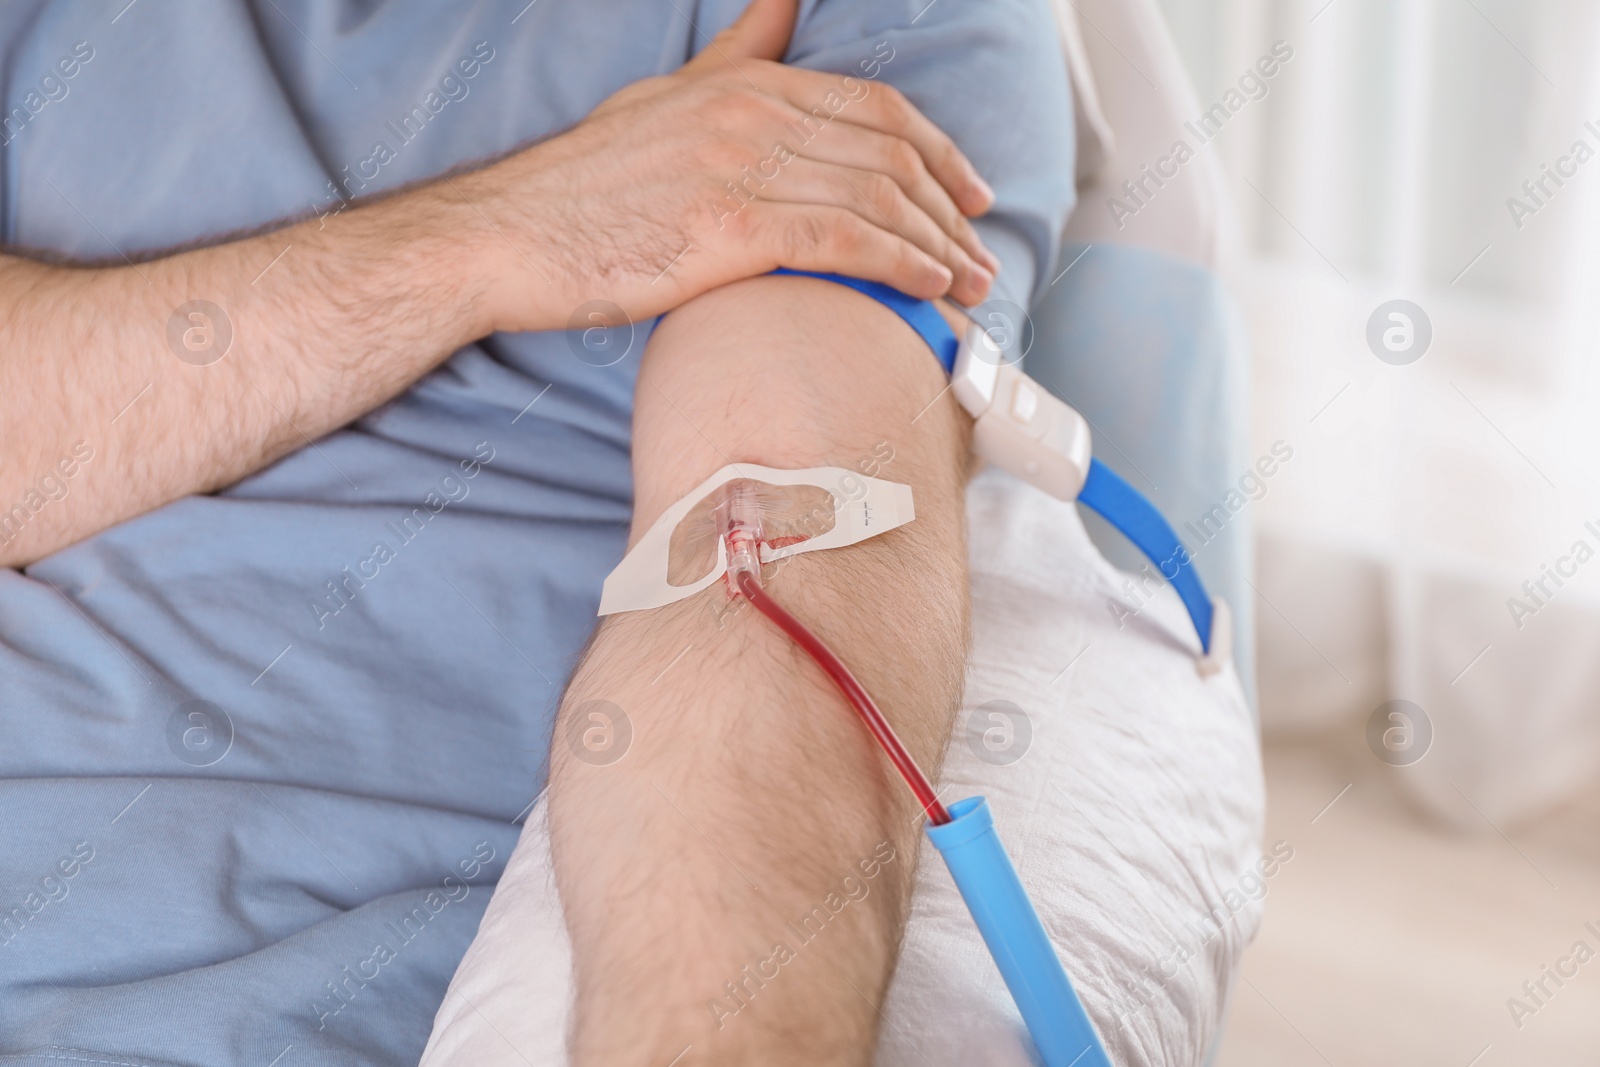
(101, 360)
(738, 881)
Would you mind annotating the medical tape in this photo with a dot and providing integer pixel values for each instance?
(683, 553)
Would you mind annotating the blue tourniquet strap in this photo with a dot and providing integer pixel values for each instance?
(1119, 503)
(918, 314)
(1137, 519)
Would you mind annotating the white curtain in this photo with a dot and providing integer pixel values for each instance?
(1387, 160)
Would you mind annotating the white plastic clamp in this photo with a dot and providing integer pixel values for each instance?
(1017, 424)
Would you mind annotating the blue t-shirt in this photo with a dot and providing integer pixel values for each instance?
(263, 753)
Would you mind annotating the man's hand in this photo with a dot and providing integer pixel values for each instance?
(728, 168)
(630, 206)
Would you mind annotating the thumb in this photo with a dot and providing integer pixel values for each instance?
(762, 32)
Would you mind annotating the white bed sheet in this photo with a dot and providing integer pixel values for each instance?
(1134, 816)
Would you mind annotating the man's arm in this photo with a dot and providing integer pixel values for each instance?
(359, 309)
(366, 301)
(737, 883)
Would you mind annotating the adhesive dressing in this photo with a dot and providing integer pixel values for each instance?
(807, 510)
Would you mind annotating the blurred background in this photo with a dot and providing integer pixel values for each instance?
(1423, 545)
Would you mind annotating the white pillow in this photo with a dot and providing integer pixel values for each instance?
(1133, 812)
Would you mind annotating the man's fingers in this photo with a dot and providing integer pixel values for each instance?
(835, 239)
(879, 201)
(761, 32)
(887, 110)
(827, 98)
(857, 146)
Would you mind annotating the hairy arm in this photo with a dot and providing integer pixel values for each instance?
(737, 883)
(692, 870)
(361, 306)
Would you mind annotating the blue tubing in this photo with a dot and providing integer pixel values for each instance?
(1060, 1028)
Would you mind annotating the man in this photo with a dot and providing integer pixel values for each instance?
(265, 749)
